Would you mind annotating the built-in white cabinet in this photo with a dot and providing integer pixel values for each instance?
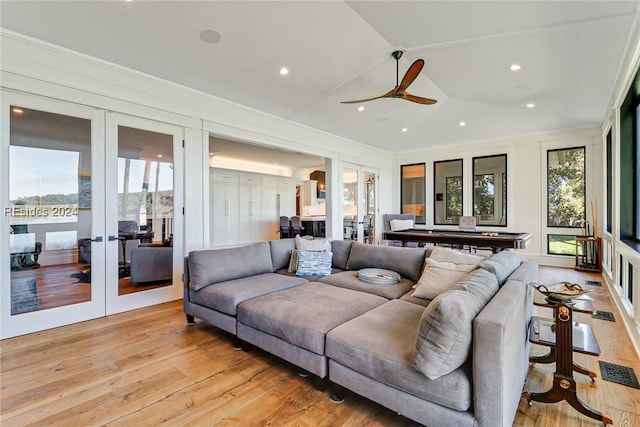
(250, 210)
(225, 208)
(246, 207)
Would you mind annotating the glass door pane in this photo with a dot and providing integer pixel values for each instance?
(368, 207)
(145, 259)
(350, 203)
(359, 203)
(49, 222)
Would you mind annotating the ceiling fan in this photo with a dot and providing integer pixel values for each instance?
(400, 90)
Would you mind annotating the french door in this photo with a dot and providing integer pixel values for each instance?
(53, 215)
(60, 248)
(144, 219)
(359, 203)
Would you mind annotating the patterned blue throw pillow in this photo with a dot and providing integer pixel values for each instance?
(314, 263)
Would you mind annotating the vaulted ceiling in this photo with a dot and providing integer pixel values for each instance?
(569, 53)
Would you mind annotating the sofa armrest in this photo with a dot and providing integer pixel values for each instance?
(501, 354)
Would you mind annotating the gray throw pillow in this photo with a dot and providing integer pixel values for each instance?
(444, 336)
(502, 265)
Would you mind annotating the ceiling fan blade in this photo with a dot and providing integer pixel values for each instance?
(386, 95)
(418, 99)
(410, 75)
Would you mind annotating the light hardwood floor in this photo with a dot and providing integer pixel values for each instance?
(147, 367)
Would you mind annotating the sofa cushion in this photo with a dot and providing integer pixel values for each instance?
(440, 253)
(314, 263)
(348, 279)
(313, 244)
(380, 344)
(419, 301)
(526, 272)
(340, 249)
(479, 282)
(407, 262)
(226, 296)
(303, 315)
(445, 333)
(207, 267)
(304, 244)
(281, 252)
(501, 264)
(438, 276)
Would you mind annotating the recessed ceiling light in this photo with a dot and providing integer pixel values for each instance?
(462, 123)
(210, 36)
(531, 105)
(17, 110)
(404, 129)
(515, 67)
(284, 71)
(159, 156)
(361, 108)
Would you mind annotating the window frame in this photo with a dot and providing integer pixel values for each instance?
(503, 193)
(445, 193)
(422, 217)
(584, 179)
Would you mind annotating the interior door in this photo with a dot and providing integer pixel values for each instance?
(52, 227)
(144, 170)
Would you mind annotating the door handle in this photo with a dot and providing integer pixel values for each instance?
(97, 239)
(112, 238)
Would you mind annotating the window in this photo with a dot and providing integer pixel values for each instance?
(566, 187)
(489, 190)
(412, 179)
(562, 244)
(447, 190)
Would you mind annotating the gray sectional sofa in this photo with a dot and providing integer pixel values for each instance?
(457, 360)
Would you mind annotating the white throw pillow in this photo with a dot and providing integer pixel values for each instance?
(302, 244)
(438, 276)
(401, 224)
(439, 253)
(313, 245)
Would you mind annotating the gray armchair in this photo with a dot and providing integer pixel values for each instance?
(387, 227)
(151, 263)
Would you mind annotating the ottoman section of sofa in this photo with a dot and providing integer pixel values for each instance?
(293, 323)
(380, 345)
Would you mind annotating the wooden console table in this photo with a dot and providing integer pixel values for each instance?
(564, 386)
(577, 305)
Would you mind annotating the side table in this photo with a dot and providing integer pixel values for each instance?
(577, 305)
(564, 385)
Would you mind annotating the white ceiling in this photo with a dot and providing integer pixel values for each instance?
(570, 53)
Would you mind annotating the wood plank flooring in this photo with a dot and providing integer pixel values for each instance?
(59, 285)
(147, 367)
